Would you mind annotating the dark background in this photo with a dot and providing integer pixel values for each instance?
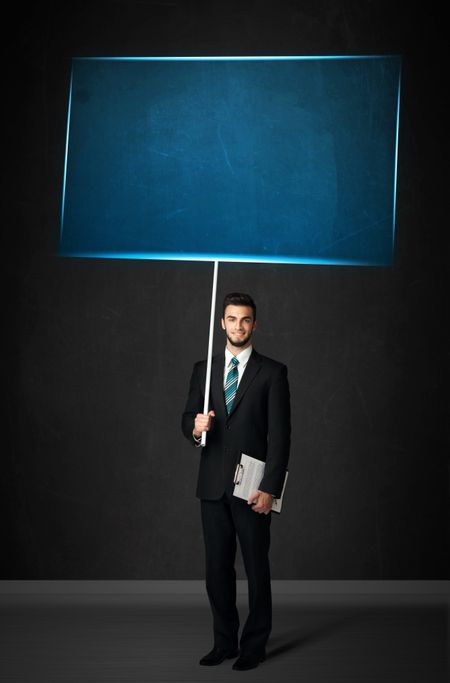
(97, 480)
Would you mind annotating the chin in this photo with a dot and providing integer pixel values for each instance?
(239, 342)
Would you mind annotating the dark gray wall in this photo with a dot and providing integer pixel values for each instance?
(98, 481)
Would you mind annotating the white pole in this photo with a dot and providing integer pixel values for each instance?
(210, 345)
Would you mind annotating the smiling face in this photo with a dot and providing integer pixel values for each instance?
(238, 323)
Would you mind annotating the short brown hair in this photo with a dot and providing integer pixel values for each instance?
(239, 299)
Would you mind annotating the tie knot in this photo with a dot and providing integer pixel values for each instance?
(234, 361)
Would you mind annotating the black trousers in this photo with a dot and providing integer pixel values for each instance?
(223, 520)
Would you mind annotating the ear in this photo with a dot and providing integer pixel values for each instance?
(222, 323)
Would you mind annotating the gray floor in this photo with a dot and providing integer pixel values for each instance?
(146, 638)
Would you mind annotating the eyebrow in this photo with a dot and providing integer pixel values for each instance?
(233, 317)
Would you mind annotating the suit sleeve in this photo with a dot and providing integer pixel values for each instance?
(279, 434)
(194, 403)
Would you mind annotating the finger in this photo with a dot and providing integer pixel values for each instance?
(253, 498)
(261, 509)
(203, 418)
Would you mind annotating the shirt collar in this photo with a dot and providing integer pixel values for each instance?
(242, 357)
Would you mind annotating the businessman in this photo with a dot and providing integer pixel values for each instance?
(249, 413)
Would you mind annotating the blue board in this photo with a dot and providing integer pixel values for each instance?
(243, 159)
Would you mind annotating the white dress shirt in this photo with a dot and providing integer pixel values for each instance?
(242, 357)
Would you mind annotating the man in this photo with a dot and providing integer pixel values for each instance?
(249, 413)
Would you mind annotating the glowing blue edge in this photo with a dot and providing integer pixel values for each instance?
(230, 258)
(394, 208)
(66, 154)
(231, 58)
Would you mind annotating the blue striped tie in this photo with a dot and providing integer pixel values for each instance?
(231, 384)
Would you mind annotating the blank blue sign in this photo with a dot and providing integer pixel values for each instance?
(233, 159)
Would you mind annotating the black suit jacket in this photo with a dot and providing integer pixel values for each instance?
(259, 424)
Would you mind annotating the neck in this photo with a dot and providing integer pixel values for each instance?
(236, 350)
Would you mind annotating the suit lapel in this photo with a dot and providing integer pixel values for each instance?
(250, 372)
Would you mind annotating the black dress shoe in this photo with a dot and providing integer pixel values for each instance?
(217, 656)
(249, 661)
